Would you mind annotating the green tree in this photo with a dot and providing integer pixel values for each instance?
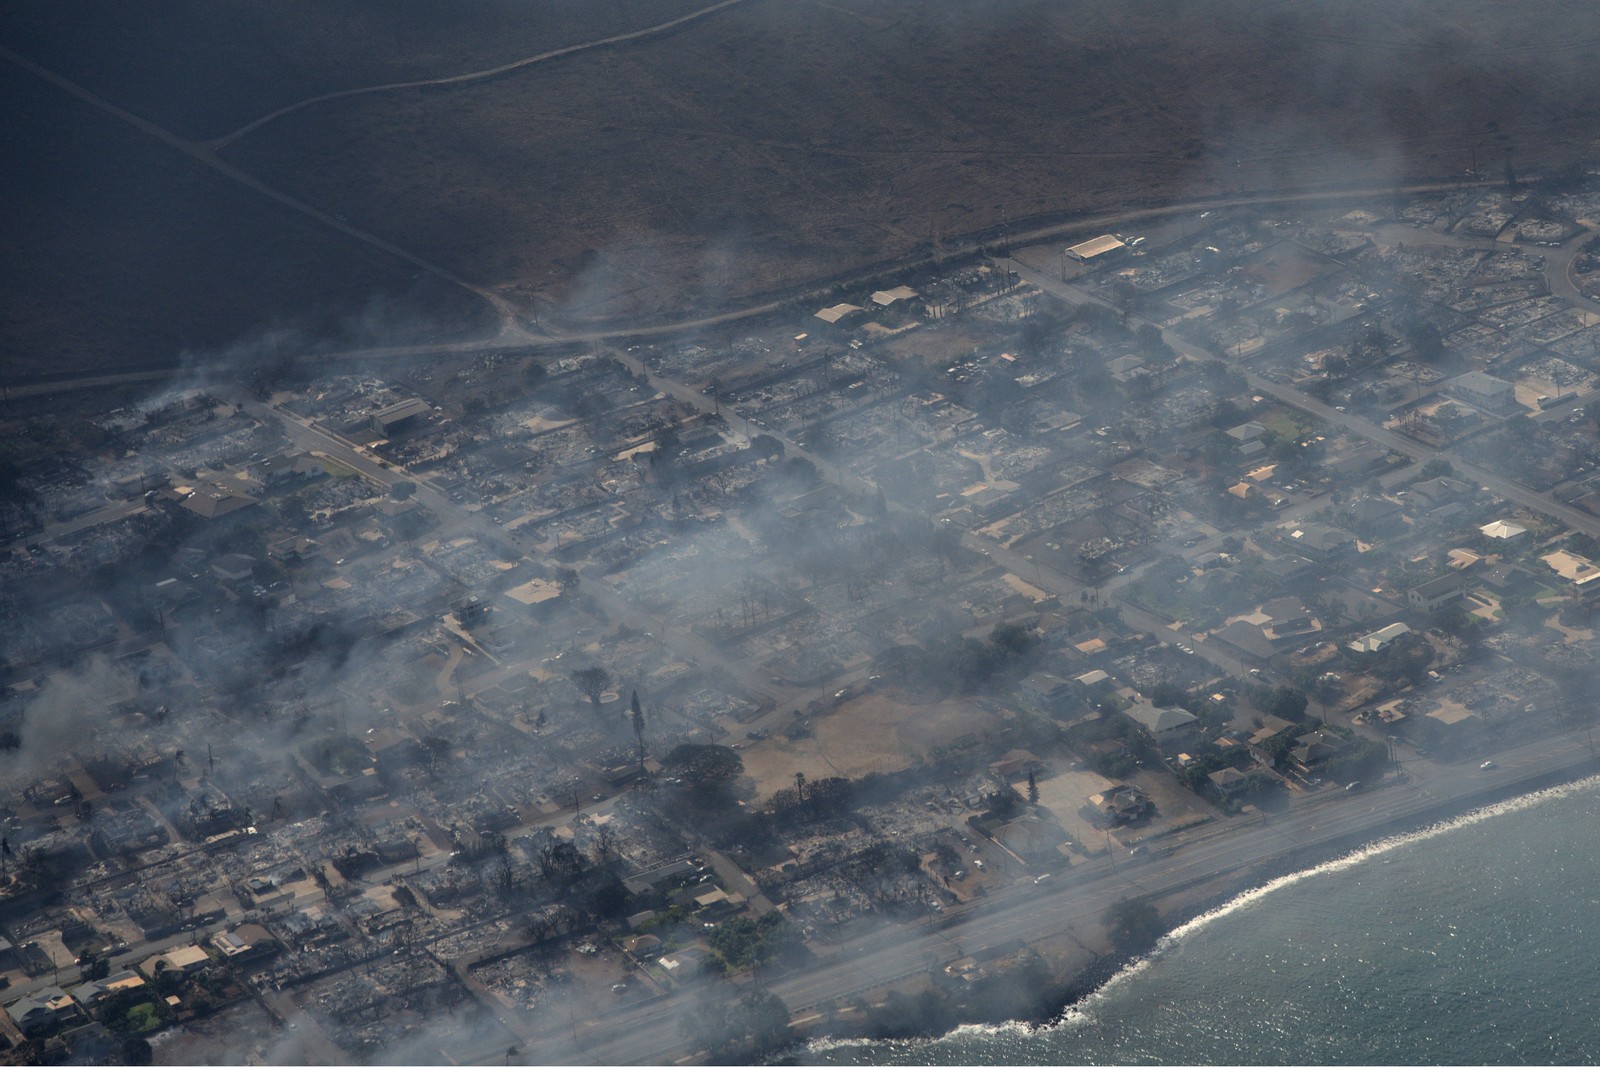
(1458, 622)
(743, 942)
(1033, 789)
(1285, 703)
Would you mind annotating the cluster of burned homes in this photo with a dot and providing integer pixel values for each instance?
(497, 684)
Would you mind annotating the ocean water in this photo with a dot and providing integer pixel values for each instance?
(1475, 941)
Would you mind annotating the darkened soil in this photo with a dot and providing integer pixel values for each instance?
(121, 253)
(752, 151)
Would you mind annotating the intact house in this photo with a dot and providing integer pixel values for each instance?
(1166, 726)
(215, 501)
(888, 298)
(1436, 492)
(43, 1012)
(1374, 515)
(245, 943)
(1272, 728)
(1247, 431)
(1501, 530)
(1048, 692)
(92, 993)
(1584, 575)
(1485, 391)
(1118, 805)
(234, 567)
(1285, 619)
(841, 316)
(186, 959)
(1435, 594)
(1378, 639)
(287, 467)
(1508, 579)
(1228, 781)
(1315, 749)
(1318, 539)
(1270, 627)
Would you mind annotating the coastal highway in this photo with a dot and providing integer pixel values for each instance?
(647, 1032)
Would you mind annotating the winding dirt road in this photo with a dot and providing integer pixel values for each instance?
(471, 76)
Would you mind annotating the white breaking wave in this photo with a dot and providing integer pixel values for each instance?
(1081, 1013)
(1366, 852)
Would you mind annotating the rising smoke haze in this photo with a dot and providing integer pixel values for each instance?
(738, 521)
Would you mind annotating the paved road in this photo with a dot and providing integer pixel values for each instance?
(57, 530)
(90, 381)
(648, 1033)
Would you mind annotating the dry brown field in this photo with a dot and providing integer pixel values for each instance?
(747, 155)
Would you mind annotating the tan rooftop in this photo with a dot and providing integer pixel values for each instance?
(1097, 246)
(837, 312)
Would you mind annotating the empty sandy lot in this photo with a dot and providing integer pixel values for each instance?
(869, 734)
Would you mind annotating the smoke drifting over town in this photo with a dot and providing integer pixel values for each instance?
(905, 504)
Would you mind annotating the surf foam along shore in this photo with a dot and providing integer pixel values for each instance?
(1078, 1010)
